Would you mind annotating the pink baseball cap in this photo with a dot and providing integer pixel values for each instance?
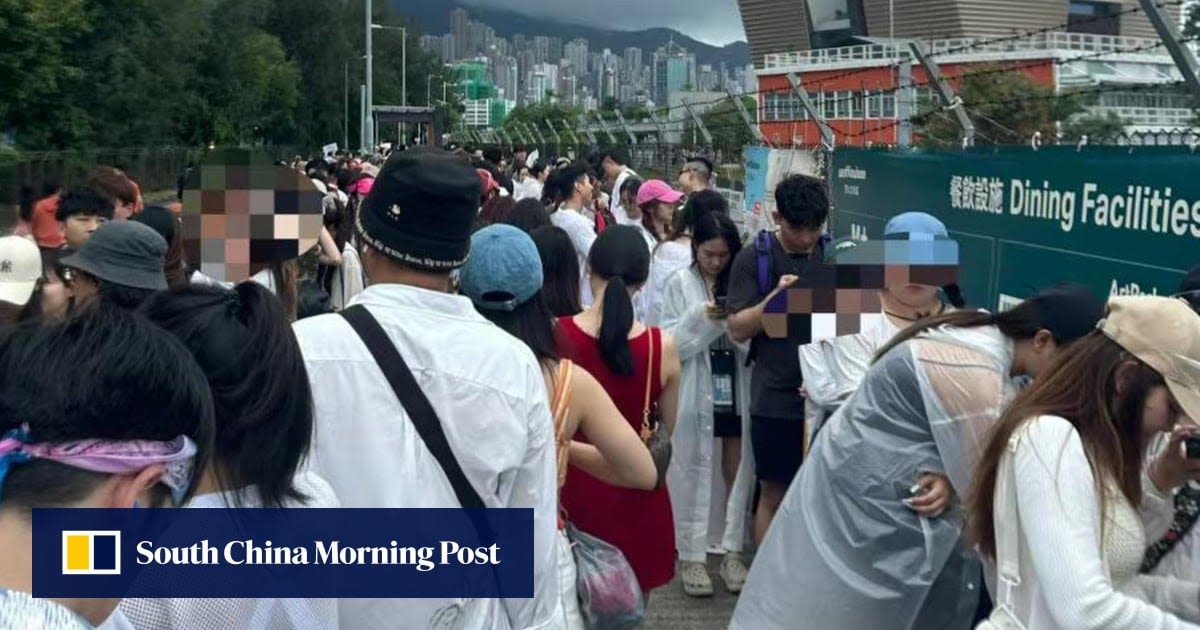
(657, 190)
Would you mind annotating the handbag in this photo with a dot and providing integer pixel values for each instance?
(1008, 545)
(654, 433)
(610, 597)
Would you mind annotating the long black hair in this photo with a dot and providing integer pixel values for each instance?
(712, 226)
(264, 406)
(620, 257)
(1023, 321)
(104, 374)
(698, 205)
(531, 322)
(560, 270)
(528, 215)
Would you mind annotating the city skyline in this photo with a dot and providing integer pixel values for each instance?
(496, 73)
(717, 22)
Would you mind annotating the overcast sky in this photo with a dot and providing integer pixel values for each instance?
(712, 21)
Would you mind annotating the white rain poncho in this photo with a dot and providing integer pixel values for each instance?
(843, 548)
(665, 261)
(694, 466)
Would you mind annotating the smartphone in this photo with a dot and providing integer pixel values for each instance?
(1192, 444)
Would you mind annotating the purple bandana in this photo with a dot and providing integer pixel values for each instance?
(117, 457)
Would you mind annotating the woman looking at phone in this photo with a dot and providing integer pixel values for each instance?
(692, 310)
(1058, 487)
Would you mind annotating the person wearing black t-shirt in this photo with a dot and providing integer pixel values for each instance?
(776, 408)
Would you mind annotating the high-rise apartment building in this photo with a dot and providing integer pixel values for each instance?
(576, 51)
(633, 60)
(674, 70)
(459, 22)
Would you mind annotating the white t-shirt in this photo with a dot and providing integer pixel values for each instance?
(582, 234)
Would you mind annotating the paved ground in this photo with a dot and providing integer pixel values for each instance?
(671, 609)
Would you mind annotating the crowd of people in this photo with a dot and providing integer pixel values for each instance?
(491, 329)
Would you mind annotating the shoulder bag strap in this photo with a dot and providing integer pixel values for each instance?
(1007, 525)
(646, 428)
(423, 417)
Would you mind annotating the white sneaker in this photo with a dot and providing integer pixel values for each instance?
(696, 582)
(733, 572)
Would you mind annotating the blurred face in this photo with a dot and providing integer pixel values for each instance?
(664, 212)
(797, 240)
(914, 295)
(1160, 412)
(78, 228)
(611, 168)
(712, 256)
(56, 296)
(85, 287)
(688, 182)
(524, 174)
(1043, 350)
(122, 210)
(583, 187)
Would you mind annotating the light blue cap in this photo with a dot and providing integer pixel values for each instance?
(503, 270)
(917, 225)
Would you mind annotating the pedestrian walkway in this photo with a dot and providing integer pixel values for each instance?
(671, 609)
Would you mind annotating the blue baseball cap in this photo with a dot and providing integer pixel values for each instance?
(504, 269)
(917, 225)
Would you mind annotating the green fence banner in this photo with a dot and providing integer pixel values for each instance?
(1122, 222)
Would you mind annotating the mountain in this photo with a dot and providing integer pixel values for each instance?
(433, 17)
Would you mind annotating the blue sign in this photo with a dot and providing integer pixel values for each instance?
(308, 553)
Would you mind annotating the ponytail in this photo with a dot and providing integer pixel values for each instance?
(957, 319)
(616, 320)
(1021, 322)
(620, 257)
(242, 339)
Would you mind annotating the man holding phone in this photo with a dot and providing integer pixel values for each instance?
(777, 410)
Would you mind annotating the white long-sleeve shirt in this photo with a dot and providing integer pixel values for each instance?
(491, 399)
(1065, 581)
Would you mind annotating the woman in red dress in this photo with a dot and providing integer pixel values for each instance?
(608, 342)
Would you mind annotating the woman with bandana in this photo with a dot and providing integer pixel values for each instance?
(104, 410)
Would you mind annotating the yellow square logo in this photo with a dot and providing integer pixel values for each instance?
(91, 553)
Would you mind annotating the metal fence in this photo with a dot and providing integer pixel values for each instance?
(153, 168)
(650, 160)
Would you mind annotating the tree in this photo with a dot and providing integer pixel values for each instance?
(725, 123)
(536, 115)
(1006, 107)
(1098, 129)
(610, 104)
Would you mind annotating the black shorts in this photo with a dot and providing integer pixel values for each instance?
(727, 425)
(778, 445)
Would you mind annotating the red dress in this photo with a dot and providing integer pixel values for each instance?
(637, 522)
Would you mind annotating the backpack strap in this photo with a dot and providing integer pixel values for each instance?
(762, 247)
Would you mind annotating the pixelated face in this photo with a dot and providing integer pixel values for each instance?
(241, 213)
(843, 298)
(914, 295)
